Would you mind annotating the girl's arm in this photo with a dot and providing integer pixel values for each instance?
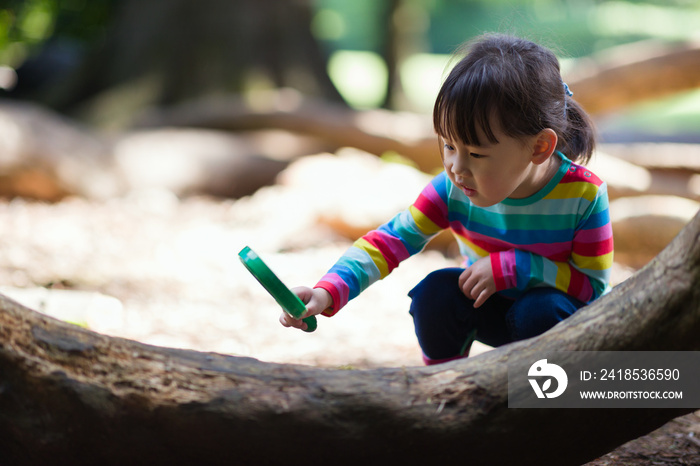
(380, 251)
(585, 276)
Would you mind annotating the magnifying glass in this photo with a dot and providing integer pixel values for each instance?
(291, 304)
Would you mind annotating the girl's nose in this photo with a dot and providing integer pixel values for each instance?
(460, 166)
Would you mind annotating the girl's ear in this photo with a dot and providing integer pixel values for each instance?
(544, 146)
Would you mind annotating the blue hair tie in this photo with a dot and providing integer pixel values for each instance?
(567, 91)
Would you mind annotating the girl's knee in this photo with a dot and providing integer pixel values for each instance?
(439, 289)
(539, 310)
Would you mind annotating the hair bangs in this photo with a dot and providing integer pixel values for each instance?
(464, 108)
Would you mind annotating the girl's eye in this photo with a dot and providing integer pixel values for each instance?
(476, 156)
(449, 147)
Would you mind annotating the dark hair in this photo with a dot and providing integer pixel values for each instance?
(518, 82)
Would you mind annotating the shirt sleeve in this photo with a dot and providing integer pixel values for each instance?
(376, 254)
(585, 276)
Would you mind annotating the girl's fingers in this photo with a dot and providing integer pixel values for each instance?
(284, 321)
(288, 321)
(466, 283)
(481, 298)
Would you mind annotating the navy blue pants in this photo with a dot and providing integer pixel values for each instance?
(446, 322)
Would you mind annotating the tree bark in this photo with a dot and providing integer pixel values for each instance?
(74, 396)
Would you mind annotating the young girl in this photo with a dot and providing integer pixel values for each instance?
(532, 225)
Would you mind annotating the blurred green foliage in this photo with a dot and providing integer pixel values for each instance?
(25, 25)
(572, 27)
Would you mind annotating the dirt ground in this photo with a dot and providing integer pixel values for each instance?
(164, 271)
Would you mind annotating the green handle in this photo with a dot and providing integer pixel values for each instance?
(311, 322)
(291, 304)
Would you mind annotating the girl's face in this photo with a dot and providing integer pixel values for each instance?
(490, 173)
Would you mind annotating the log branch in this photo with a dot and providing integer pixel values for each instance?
(85, 398)
(633, 73)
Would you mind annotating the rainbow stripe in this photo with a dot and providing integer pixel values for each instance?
(561, 237)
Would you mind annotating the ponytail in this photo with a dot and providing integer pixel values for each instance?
(578, 139)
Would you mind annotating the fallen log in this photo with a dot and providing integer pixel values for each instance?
(634, 72)
(631, 172)
(46, 156)
(73, 396)
(657, 156)
(644, 225)
(374, 131)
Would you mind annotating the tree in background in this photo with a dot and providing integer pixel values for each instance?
(161, 53)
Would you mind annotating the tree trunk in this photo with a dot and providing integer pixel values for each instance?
(406, 22)
(158, 53)
(77, 397)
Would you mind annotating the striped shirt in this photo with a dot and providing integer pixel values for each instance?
(559, 237)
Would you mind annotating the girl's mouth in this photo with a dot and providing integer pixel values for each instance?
(467, 191)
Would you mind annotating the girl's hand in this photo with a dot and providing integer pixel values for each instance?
(477, 281)
(317, 300)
